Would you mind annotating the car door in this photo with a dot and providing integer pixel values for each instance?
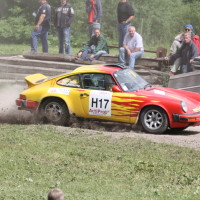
(98, 100)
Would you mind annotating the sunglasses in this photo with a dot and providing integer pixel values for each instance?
(187, 29)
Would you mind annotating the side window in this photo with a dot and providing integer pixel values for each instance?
(97, 81)
(71, 81)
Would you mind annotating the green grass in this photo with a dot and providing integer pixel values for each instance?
(89, 166)
(20, 48)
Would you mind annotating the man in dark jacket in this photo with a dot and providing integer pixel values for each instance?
(125, 14)
(187, 52)
(42, 26)
(94, 11)
(97, 46)
(63, 19)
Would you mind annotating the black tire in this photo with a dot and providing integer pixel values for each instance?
(54, 111)
(154, 120)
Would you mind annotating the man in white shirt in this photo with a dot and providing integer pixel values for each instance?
(132, 48)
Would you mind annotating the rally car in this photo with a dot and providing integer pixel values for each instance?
(109, 92)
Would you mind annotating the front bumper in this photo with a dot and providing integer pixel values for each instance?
(193, 119)
(27, 105)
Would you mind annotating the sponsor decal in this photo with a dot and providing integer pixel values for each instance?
(64, 91)
(100, 103)
(159, 92)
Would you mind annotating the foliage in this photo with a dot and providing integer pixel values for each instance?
(87, 165)
(158, 21)
(14, 30)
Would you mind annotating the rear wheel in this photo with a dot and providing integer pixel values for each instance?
(55, 111)
(154, 120)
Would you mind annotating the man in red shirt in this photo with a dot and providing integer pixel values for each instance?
(94, 11)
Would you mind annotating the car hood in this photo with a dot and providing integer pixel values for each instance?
(159, 93)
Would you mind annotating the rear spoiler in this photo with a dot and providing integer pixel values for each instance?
(35, 79)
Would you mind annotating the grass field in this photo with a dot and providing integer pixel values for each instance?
(88, 165)
(20, 48)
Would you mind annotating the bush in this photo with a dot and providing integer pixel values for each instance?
(15, 30)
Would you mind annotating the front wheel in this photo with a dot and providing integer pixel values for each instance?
(55, 111)
(154, 120)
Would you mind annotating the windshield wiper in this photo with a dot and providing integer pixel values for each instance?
(147, 85)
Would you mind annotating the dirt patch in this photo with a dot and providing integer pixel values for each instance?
(188, 138)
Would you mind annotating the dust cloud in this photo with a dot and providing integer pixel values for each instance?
(9, 112)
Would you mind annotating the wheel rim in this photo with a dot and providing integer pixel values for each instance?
(53, 111)
(153, 119)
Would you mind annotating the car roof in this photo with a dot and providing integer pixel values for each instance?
(106, 68)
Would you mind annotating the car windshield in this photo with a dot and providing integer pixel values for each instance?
(130, 80)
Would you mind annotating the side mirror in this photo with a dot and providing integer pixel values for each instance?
(116, 88)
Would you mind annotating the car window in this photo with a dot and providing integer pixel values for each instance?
(70, 81)
(97, 81)
(130, 80)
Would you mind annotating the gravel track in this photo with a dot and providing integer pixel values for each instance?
(9, 114)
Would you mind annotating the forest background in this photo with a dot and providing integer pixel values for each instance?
(158, 21)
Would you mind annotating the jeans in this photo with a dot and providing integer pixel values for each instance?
(187, 68)
(123, 57)
(90, 51)
(42, 32)
(176, 65)
(92, 27)
(64, 40)
(184, 69)
(122, 30)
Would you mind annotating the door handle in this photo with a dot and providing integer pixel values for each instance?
(84, 94)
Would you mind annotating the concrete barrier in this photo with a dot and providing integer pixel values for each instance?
(187, 81)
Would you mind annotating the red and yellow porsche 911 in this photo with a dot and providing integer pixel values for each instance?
(109, 92)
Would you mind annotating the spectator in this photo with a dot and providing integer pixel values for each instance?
(56, 194)
(187, 52)
(132, 47)
(63, 19)
(189, 29)
(97, 46)
(94, 11)
(176, 45)
(195, 38)
(42, 26)
(125, 14)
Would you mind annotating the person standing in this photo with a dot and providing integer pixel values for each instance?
(63, 18)
(125, 14)
(42, 26)
(132, 47)
(94, 12)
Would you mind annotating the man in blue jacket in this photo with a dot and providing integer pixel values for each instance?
(63, 19)
(94, 11)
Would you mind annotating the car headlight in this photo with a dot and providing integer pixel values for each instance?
(184, 106)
